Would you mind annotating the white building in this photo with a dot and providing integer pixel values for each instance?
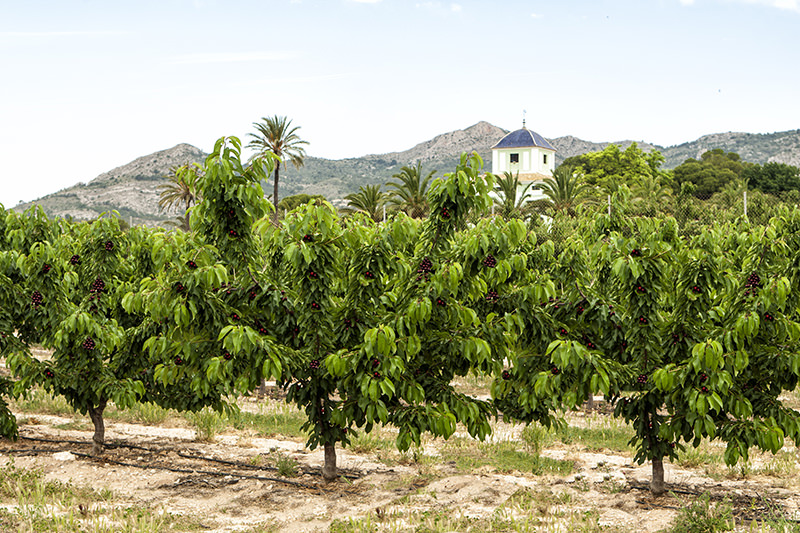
(526, 153)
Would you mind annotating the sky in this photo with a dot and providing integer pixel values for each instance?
(89, 85)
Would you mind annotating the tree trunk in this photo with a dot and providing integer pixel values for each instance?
(262, 389)
(275, 190)
(99, 437)
(657, 483)
(590, 403)
(329, 472)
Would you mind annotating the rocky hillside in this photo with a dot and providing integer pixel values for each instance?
(132, 189)
(336, 178)
(780, 147)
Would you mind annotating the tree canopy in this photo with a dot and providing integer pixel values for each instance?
(772, 177)
(612, 167)
(711, 173)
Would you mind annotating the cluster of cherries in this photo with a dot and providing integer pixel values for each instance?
(369, 275)
(191, 264)
(233, 233)
(753, 281)
(109, 245)
(227, 356)
(98, 286)
(696, 289)
(445, 213)
(37, 299)
(315, 306)
(636, 253)
(308, 238)
(642, 320)
(506, 374)
(642, 379)
(46, 268)
(75, 260)
(440, 302)
(768, 316)
(49, 374)
(752, 284)
(179, 287)
(88, 344)
(314, 365)
(492, 296)
(178, 360)
(555, 371)
(313, 275)
(490, 261)
(235, 317)
(425, 269)
(640, 289)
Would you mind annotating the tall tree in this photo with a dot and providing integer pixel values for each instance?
(180, 191)
(511, 199)
(565, 189)
(369, 200)
(613, 167)
(652, 194)
(711, 173)
(411, 192)
(772, 177)
(277, 136)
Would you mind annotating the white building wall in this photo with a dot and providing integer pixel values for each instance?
(530, 160)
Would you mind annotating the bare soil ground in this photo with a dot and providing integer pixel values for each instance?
(227, 485)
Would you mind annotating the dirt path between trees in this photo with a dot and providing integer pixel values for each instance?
(228, 485)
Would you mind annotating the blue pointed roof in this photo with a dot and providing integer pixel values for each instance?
(523, 138)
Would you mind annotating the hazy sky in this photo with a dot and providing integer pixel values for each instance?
(89, 85)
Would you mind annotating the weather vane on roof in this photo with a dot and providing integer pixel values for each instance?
(523, 118)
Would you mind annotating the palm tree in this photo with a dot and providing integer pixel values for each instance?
(369, 199)
(511, 199)
(652, 193)
(277, 136)
(411, 194)
(565, 189)
(181, 192)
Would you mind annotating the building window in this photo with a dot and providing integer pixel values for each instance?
(515, 158)
(545, 158)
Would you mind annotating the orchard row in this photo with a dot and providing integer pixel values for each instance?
(364, 324)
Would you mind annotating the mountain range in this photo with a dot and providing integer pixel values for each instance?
(131, 189)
